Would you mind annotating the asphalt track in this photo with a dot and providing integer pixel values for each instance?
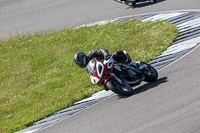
(169, 105)
(28, 16)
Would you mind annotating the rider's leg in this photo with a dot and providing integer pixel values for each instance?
(123, 56)
(129, 60)
(119, 56)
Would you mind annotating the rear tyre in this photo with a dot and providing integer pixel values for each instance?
(151, 74)
(133, 4)
(124, 89)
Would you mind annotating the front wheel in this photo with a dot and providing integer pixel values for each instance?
(124, 89)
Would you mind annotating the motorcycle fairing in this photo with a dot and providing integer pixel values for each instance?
(100, 69)
(94, 80)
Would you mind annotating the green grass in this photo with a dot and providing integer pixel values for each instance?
(38, 75)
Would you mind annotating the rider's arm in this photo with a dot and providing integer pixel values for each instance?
(105, 53)
(100, 54)
(92, 54)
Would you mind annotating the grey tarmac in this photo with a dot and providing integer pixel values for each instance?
(29, 16)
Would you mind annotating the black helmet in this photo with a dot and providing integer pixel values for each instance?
(80, 59)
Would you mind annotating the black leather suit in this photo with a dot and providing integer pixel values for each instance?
(102, 54)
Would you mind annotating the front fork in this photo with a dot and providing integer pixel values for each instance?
(113, 76)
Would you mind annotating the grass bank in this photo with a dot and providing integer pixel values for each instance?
(38, 75)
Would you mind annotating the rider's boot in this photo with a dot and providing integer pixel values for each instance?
(130, 61)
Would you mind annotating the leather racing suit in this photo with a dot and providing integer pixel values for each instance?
(102, 54)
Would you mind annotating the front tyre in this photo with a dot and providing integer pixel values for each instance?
(124, 89)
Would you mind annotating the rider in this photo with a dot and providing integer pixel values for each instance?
(82, 59)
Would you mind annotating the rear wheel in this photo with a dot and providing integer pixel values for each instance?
(124, 89)
(133, 4)
(150, 74)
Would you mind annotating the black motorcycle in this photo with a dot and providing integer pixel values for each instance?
(133, 2)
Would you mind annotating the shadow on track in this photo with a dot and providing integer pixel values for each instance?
(147, 86)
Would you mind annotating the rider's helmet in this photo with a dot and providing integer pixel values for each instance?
(81, 59)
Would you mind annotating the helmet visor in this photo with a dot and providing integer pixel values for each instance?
(82, 60)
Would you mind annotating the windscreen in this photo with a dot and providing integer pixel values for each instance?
(91, 67)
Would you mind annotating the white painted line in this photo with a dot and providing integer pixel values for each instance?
(97, 23)
(97, 95)
(31, 131)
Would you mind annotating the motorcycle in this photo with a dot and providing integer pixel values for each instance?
(133, 2)
(120, 77)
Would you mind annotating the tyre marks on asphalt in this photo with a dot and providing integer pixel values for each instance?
(188, 24)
